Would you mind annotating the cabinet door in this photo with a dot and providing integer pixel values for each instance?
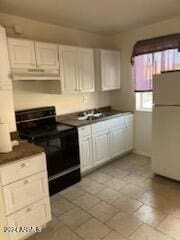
(37, 214)
(86, 70)
(68, 57)
(5, 82)
(86, 157)
(101, 148)
(47, 55)
(117, 141)
(110, 69)
(129, 138)
(22, 53)
(25, 192)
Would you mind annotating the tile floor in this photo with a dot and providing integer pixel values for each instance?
(120, 201)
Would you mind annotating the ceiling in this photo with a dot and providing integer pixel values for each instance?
(102, 16)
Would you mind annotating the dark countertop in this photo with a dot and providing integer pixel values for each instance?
(23, 150)
(72, 119)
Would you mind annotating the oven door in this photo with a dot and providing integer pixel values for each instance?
(62, 151)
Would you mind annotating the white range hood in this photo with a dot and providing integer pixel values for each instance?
(35, 74)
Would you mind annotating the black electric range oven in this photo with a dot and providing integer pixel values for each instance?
(59, 141)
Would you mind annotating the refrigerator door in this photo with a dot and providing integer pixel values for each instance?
(166, 141)
(166, 89)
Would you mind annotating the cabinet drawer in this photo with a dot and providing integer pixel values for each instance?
(22, 169)
(117, 122)
(25, 192)
(101, 126)
(84, 131)
(37, 214)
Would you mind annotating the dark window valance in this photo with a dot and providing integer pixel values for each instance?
(156, 45)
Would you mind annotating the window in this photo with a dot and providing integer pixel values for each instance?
(144, 101)
(144, 67)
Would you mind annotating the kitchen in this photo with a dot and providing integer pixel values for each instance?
(33, 36)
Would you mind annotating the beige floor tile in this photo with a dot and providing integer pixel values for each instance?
(115, 183)
(114, 236)
(72, 193)
(122, 185)
(108, 195)
(134, 179)
(84, 180)
(74, 218)
(55, 196)
(93, 187)
(170, 226)
(127, 204)
(124, 223)
(115, 172)
(103, 211)
(86, 201)
(93, 230)
(157, 201)
(144, 171)
(176, 211)
(150, 215)
(52, 226)
(60, 206)
(148, 233)
(99, 176)
(133, 191)
(63, 233)
(146, 184)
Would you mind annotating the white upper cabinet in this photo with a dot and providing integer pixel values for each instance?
(5, 82)
(86, 70)
(21, 53)
(30, 54)
(108, 69)
(68, 57)
(77, 69)
(47, 55)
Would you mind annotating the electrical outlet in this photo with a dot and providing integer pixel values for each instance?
(85, 99)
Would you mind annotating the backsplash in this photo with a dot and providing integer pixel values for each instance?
(38, 94)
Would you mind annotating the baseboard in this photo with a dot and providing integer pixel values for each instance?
(141, 153)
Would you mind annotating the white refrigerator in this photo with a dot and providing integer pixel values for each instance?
(166, 125)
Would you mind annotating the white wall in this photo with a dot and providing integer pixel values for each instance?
(125, 98)
(28, 95)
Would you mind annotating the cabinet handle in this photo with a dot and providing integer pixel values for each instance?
(26, 182)
(28, 209)
(24, 165)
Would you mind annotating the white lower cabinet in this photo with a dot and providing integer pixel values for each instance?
(24, 199)
(129, 138)
(86, 154)
(35, 215)
(105, 140)
(25, 192)
(101, 148)
(117, 141)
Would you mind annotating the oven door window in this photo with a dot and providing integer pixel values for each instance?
(62, 152)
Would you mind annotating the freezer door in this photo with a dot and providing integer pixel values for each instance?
(166, 142)
(166, 88)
